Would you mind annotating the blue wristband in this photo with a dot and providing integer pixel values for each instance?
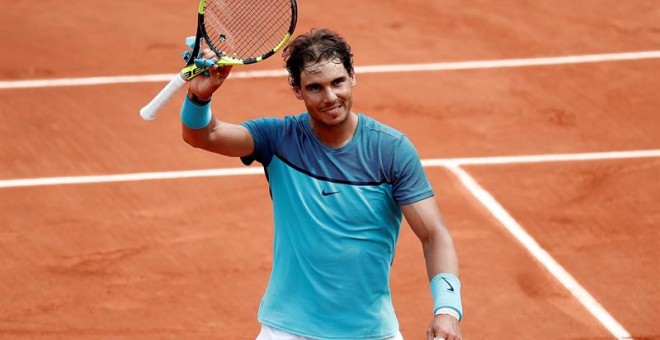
(195, 116)
(446, 291)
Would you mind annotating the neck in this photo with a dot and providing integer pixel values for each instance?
(336, 136)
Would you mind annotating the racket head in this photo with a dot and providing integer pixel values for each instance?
(247, 31)
(239, 32)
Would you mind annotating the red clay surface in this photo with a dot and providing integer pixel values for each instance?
(600, 221)
(189, 258)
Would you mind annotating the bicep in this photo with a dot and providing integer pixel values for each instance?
(232, 140)
(424, 218)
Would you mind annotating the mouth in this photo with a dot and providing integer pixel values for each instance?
(333, 110)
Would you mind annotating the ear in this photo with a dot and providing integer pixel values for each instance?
(353, 80)
(297, 92)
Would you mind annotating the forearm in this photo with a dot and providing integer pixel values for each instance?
(197, 121)
(198, 138)
(201, 129)
(442, 270)
(441, 258)
(427, 223)
(439, 253)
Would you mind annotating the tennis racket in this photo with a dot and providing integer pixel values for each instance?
(240, 32)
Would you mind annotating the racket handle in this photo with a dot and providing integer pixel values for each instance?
(150, 111)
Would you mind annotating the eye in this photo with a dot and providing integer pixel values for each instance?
(338, 81)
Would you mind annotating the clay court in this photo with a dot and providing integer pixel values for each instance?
(538, 124)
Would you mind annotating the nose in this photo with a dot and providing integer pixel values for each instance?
(329, 95)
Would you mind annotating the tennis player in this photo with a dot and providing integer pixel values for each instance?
(340, 183)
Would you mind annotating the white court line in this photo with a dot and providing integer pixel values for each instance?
(142, 176)
(463, 65)
(145, 176)
(568, 157)
(541, 255)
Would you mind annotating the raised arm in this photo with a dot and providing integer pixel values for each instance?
(200, 128)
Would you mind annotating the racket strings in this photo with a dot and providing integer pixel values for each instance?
(265, 40)
(246, 29)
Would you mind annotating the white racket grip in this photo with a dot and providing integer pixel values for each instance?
(150, 111)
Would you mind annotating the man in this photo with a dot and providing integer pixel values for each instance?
(340, 182)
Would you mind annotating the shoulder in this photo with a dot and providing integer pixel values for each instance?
(268, 123)
(386, 133)
(392, 143)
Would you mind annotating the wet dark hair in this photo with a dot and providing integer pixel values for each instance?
(320, 44)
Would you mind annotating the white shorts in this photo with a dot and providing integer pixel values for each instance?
(270, 333)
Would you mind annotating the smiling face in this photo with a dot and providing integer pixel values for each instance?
(326, 88)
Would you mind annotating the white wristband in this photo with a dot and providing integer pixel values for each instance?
(448, 311)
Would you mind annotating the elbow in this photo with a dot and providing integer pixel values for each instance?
(193, 141)
(186, 138)
(439, 236)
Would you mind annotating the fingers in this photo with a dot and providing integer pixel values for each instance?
(207, 53)
(443, 327)
(448, 336)
(223, 72)
(210, 59)
(440, 337)
(430, 336)
(206, 58)
(214, 75)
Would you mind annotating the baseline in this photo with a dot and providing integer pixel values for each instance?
(461, 65)
(442, 162)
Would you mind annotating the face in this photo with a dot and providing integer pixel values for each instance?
(326, 89)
